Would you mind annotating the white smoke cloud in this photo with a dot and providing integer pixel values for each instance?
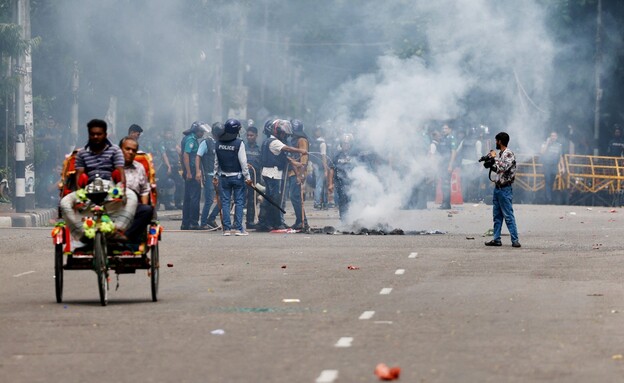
(501, 49)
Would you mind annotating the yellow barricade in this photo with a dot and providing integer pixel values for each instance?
(584, 174)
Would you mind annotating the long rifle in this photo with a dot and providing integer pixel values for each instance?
(269, 200)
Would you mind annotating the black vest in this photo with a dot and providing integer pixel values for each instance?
(270, 160)
(253, 155)
(207, 160)
(227, 153)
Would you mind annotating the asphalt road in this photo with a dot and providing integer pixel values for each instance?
(441, 307)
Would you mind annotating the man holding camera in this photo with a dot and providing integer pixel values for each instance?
(503, 165)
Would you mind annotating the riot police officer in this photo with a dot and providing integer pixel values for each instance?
(231, 174)
(340, 172)
(192, 176)
(169, 172)
(447, 147)
(297, 175)
(205, 161)
(274, 163)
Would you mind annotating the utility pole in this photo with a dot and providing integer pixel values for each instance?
(598, 74)
(74, 109)
(24, 146)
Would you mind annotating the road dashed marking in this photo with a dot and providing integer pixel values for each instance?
(344, 342)
(367, 315)
(385, 291)
(399, 272)
(327, 376)
(24, 273)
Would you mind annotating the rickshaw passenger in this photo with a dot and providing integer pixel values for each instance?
(136, 180)
(99, 158)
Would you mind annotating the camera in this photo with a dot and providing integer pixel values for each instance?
(488, 161)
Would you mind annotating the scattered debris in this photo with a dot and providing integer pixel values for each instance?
(596, 246)
(470, 237)
(283, 266)
(323, 230)
(612, 211)
(614, 311)
(169, 264)
(383, 372)
(291, 300)
(595, 295)
(350, 267)
(617, 357)
(572, 213)
(217, 332)
(489, 233)
(590, 209)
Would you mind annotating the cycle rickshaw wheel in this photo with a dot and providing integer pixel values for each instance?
(99, 259)
(154, 269)
(58, 272)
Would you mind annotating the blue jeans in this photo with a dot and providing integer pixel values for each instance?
(295, 198)
(190, 209)
(320, 197)
(228, 187)
(503, 209)
(208, 198)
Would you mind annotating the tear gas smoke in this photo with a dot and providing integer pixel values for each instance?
(484, 47)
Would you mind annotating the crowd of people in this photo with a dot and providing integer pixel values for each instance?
(211, 171)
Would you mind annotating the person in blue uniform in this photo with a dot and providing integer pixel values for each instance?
(192, 177)
(231, 174)
(340, 172)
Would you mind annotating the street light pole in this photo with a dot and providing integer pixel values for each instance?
(597, 75)
(24, 146)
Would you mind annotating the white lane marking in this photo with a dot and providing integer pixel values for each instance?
(383, 322)
(24, 273)
(413, 255)
(295, 300)
(385, 291)
(367, 315)
(400, 272)
(345, 341)
(327, 376)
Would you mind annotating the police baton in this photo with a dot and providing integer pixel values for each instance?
(269, 200)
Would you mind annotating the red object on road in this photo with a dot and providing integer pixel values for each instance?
(383, 372)
(350, 267)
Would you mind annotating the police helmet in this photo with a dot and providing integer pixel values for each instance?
(199, 127)
(346, 139)
(217, 129)
(268, 130)
(297, 128)
(282, 128)
(230, 130)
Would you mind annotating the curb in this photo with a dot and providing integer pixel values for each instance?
(31, 219)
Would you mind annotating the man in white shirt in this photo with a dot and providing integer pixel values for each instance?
(274, 163)
(136, 180)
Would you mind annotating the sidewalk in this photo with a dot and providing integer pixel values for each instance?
(32, 218)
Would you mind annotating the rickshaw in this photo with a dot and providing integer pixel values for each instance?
(104, 256)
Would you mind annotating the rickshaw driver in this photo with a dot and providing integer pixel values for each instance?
(99, 158)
